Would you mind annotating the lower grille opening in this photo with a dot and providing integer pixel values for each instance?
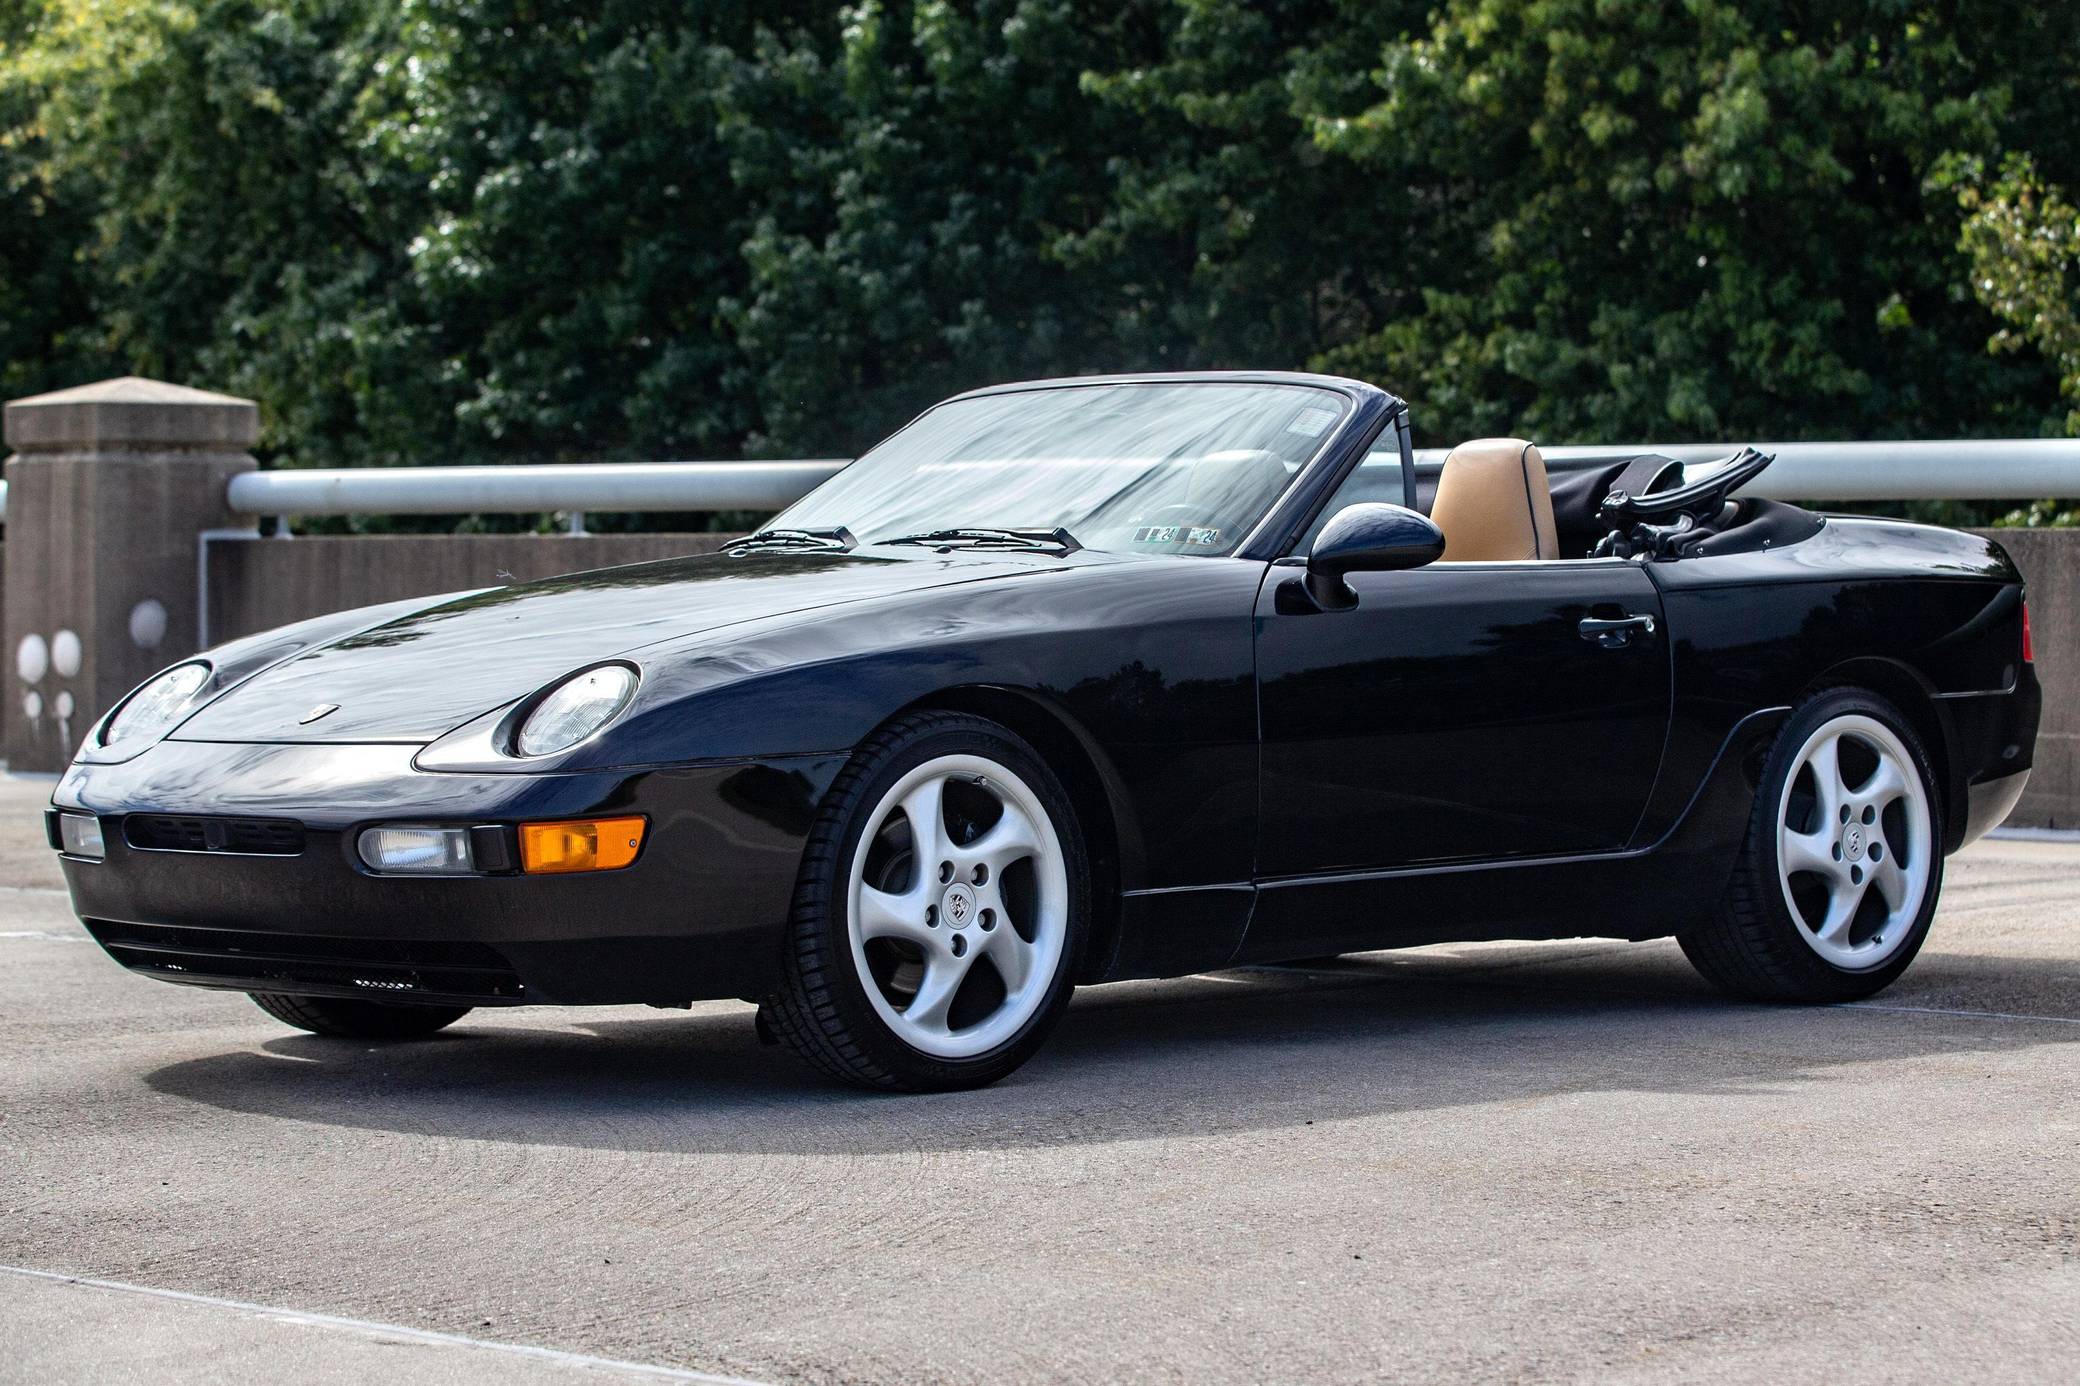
(398, 969)
(171, 832)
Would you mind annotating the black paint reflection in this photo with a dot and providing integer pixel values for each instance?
(1457, 713)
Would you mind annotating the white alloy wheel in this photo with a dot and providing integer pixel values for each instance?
(957, 906)
(1855, 842)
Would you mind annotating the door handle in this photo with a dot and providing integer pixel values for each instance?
(1614, 634)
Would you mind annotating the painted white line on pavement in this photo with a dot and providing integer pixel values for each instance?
(1967, 1015)
(391, 1330)
(45, 934)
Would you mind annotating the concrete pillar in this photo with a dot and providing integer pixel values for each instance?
(109, 488)
(2050, 563)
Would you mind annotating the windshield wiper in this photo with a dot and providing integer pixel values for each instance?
(1057, 538)
(839, 538)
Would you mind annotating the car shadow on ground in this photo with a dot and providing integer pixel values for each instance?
(1253, 1049)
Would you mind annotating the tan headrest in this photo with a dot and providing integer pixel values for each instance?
(1493, 503)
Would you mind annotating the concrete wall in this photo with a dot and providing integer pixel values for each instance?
(2050, 563)
(255, 584)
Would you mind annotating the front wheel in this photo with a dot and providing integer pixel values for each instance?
(940, 913)
(337, 1019)
(1838, 878)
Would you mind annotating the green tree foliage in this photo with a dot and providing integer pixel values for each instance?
(910, 183)
(1703, 219)
(462, 230)
(44, 223)
(240, 235)
(416, 231)
(2023, 237)
(1229, 235)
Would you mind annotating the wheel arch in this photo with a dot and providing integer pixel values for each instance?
(1110, 829)
(1902, 686)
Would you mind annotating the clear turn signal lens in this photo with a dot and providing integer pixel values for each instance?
(80, 836)
(415, 850)
(586, 844)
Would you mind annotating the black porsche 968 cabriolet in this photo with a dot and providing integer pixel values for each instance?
(1070, 682)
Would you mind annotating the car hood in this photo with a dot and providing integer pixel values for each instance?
(414, 677)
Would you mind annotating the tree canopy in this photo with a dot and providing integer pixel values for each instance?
(471, 230)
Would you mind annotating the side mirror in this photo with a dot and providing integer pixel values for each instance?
(1368, 538)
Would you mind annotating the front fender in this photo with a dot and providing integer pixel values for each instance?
(1151, 662)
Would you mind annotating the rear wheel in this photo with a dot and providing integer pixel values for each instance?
(940, 911)
(1838, 879)
(324, 1015)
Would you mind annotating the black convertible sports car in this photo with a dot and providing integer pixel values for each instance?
(1076, 681)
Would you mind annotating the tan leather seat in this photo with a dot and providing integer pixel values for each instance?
(1493, 503)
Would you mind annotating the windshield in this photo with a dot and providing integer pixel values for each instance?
(1158, 468)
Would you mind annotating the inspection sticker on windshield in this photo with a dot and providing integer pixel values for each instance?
(1176, 534)
(1311, 422)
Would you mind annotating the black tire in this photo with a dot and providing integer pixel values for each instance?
(1754, 947)
(820, 1008)
(340, 1019)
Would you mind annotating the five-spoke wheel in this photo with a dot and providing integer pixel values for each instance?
(940, 911)
(959, 905)
(1853, 841)
(1838, 878)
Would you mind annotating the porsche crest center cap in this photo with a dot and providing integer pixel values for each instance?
(958, 905)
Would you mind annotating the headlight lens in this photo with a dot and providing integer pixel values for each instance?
(153, 709)
(578, 707)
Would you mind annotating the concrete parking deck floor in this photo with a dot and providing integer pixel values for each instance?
(1505, 1162)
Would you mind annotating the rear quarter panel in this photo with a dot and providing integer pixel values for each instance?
(1934, 610)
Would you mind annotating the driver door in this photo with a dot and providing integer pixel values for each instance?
(1459, 713)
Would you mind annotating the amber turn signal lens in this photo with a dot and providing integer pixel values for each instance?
(586, 844)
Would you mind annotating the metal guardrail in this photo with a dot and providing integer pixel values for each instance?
(661, 486)
(1967, 469)
(1973, 469)
(1977, 469)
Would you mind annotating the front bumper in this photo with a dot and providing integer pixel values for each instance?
(698, 915)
